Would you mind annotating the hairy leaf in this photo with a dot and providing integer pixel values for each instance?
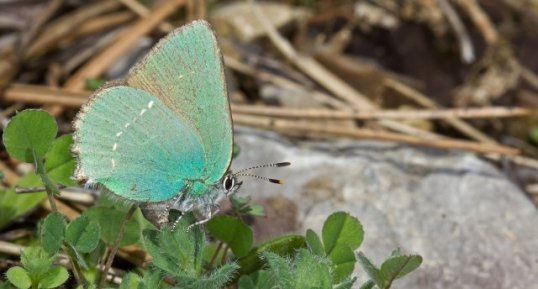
(283, 246)
(178, 252)
(257, 280)
(52, 233)
(398, 266)
(83, 234)
(19, 277)
(280, 270)
(371, 270)
(55, 277)
(314, 243)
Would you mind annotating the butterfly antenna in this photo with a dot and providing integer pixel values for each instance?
(274, 181)
(282, 164)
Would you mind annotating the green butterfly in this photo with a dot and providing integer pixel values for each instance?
(163, 136)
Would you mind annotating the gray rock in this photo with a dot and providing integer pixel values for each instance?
(473, 227)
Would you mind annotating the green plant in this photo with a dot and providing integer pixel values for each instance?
(37, 270)
(181, 258)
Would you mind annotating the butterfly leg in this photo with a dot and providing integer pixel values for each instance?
(209, 214)
(180, 217)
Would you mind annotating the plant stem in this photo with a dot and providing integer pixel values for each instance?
(215, 254)
(35, 189)
(77, 272)
(224, 251)
(116, 246)
(50, 187)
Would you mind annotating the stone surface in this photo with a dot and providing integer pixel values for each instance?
(474, 228)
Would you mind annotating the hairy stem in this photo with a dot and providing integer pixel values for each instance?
(50, 187)
(116, 245)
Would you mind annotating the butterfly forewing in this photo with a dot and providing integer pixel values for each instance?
(185, 72)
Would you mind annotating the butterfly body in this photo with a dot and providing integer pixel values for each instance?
(162, 137)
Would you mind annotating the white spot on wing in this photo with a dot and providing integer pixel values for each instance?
(113, 163)
(142, 111)
(115, 146)
(127, 125)
(119, 133)
(150, 104)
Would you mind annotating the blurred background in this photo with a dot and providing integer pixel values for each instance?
(418, 116)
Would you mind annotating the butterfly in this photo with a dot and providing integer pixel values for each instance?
(163, 136)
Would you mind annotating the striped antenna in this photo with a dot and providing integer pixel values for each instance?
(282, 164)
(275, 181)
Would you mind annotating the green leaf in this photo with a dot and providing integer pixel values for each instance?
(256, 210)
(342, 228)
(279, 269)
(371, 270)
(36, 261)
(153, 279)
(257, 280)
(346, 284)
(19, 277)
(83, 234)
(368, 285)
(235, 150)
(343, 259)
(242, 205)
(55, 277)
(94, 83)
(109, 220)
(209, 253)
(5, 285)
(283, 246)
(52, 232)
(314, 243)
(398, 266)
(236, 234)
(30, 131)
(60, 163)
(534, 134)
(76, 255)
(13, 205)
(216, 280)
(238, 202)
(130, 281)
(311, 271)
(177, 252)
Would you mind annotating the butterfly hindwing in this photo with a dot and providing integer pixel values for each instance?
(185, 71)
(131, 142)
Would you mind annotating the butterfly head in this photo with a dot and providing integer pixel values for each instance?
(230, 183)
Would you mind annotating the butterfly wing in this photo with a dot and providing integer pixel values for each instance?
(186, 73)
(135, 145)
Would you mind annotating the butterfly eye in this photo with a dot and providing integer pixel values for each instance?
(228, 183)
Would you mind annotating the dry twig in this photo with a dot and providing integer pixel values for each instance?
(59, 29)
(466, 45)
(487, 112)
(317, 130)
(143, 11)
(423, 100)
(122, 44)
(311, 67)
(480, 19)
